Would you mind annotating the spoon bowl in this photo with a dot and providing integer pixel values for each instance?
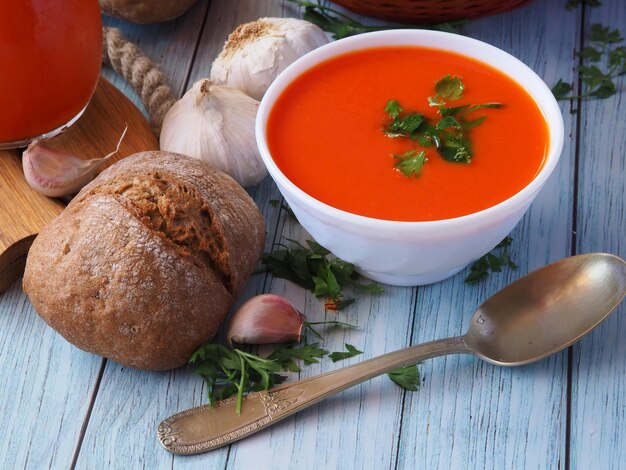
(536, 316)
(547, 310)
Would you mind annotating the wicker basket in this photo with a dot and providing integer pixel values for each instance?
(428, 11)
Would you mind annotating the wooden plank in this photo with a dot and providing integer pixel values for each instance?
(598, 412)
(384, 322)
(46, 386)
(469, 414)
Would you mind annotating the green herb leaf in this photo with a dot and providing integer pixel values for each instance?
(449, 87)
(493, 261)
(410, 163)
(351, 351)
(590, 53)
(449, 135)
(562, 89)
(604, 35)
(407, 377)
(235, 372)
(393, 109)
(448, 121)
(598, 83)
(456, 148)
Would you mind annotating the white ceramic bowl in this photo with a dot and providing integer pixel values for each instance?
(413, 253)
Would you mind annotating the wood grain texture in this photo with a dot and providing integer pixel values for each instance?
(23, 211)
(46, 387)
(468, 414)
(599, 361)
(171, 45)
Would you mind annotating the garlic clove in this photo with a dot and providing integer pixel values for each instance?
(255, 53)
(265, 319)
(215, 124)
(56, 172)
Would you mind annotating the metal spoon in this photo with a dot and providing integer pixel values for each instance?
(536, 316)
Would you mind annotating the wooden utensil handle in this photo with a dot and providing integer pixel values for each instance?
(206, 428)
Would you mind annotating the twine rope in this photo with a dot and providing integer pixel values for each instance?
(138, 70)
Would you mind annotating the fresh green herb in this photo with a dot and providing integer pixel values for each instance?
(313, 268)
(285, 207)
(599, 81)
(410, 163)
(493, 261)
(407, 377)
(448, 88)
(342, 25)
(572, 4)
(351, 351)
(229, 372)
(449, 135)
(332, 323)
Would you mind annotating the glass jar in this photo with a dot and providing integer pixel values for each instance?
(50, 56)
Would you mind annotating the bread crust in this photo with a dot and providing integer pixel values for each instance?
(145, 11)
(144, 263)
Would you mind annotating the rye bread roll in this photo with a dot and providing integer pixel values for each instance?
(145, 262)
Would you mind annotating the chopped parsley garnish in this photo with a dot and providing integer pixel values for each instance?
(350, 351)
(449, 134)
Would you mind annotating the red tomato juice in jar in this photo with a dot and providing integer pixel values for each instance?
(50, 55)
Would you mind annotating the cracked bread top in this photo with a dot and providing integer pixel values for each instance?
(144, 263)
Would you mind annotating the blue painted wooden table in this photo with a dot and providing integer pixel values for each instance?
(61, 407)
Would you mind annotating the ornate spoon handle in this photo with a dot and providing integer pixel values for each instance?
(206, 428)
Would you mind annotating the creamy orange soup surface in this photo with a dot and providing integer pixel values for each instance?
(325, 132)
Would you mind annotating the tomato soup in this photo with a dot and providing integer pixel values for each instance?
(325, 133)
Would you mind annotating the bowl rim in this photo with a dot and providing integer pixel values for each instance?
(543, 97)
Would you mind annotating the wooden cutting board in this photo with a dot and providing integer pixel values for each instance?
(23, 211)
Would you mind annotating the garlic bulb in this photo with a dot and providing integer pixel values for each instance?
(56, 172)
(265, 319)
(255, 53)
(216, 124)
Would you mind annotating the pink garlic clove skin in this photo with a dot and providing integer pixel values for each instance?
(265, 319)
(55, 172)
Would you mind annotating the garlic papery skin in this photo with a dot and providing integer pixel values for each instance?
(255, 53)
(216, 124)
(56, 172)
(265, 319)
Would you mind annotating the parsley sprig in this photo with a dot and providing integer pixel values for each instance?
(493, 261)
(229, 372)
(603, 61)
(342, 25)
(449, 134)
(313, 268)
(234, 372)
(407, 377)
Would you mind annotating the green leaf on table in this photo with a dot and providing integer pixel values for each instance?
(493, 261)
(562, 89)
(312, 266)
(350, 351)
(410, 163)
(407, 377)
